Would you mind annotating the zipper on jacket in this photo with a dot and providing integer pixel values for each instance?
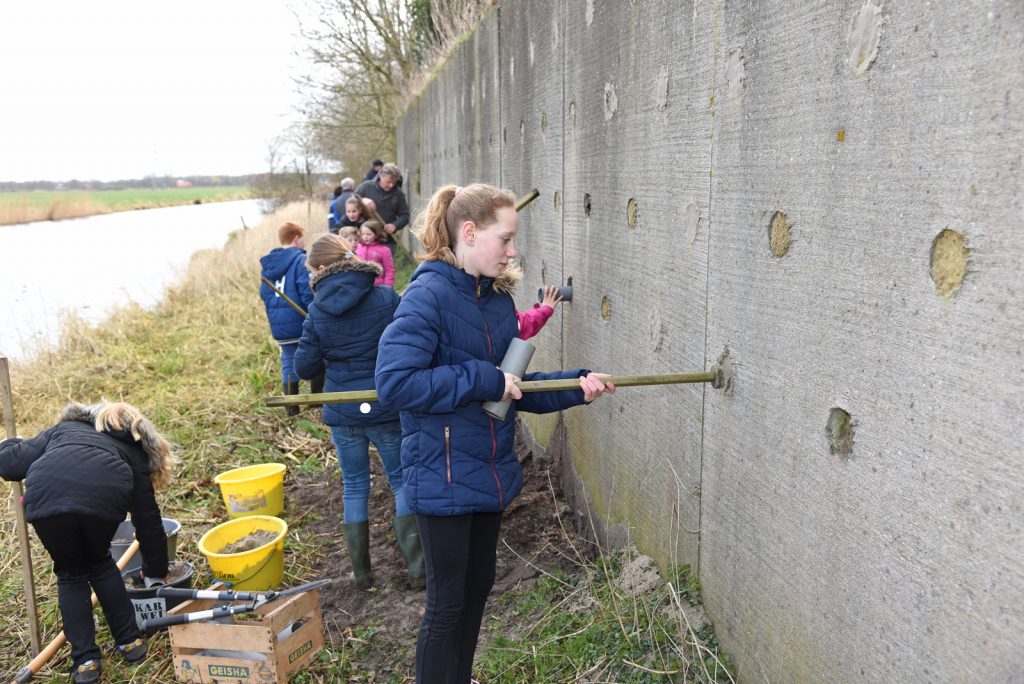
(448, 451)
(494, 451)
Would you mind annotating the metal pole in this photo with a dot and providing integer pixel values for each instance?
(284, 296)
(17, 491)
(525, 386)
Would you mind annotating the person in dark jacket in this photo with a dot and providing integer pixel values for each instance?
(374, 170)
(389, 200)
(82, 475)
(437, 363)
(285, 266)
(345, 321)
(336, 211)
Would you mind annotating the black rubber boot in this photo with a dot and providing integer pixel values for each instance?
(358, 537)
(291, 388)
(408, 538)
(316, 386)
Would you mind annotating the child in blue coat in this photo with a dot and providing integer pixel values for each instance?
(437, 363)
(345, 321)
(285, 266)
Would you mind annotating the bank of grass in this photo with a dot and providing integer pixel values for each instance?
(44, 205)
(200, 365)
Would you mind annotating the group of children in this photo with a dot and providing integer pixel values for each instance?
(431, 354)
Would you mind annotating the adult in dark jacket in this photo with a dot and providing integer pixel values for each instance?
(437, 362)
(82, 475)
(389, 199)
(374, 170)
(285, 266)
(336, 211)
(345, 321)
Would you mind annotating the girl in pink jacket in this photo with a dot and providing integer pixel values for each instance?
(372, 247)
(532, 320)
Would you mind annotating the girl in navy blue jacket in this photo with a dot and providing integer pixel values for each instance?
(345, 321)
(437, 364)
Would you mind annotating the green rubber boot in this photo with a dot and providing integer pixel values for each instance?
(358, 536)
(408, 538)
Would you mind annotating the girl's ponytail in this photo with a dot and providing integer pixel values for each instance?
(431, 227)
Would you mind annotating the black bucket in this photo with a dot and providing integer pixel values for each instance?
(125, 535)
(147, 604)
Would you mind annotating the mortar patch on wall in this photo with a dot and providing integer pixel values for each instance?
(512, 68)
(780, 234)
(863, 37)
(661, 88)
(554, 31)
(655, 330)
(691, 222)
(606, 308)
(572, 114)
(611, 101)
(948, 261)
(544, 123)
(556, 202)
(590, 12)
(531, 53)
(839, 430)
(522, 131)
(735, 73)
(631, 212)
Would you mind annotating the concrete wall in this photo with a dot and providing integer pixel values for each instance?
(894, 552)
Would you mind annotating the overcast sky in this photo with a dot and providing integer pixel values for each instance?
(121, 89)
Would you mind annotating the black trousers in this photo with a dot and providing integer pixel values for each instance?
(459, 553)
(80, 548)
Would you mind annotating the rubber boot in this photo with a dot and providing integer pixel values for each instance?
(358, 537)
(291, 388)
(316, 386)
(408, 538)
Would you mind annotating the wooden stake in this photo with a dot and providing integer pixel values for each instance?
(17, 491)
(285, 297)
(521, 204)
(525, 386)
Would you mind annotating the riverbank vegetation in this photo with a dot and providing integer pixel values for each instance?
(54, 205)
(200, 365)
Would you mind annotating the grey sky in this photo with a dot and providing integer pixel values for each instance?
(120, 89)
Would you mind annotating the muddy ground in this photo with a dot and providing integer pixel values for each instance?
(536, 535)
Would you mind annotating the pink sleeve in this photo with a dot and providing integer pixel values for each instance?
(530, 322)
(389, 266)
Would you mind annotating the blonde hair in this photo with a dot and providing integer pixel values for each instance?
(119, 415)
(350, 233)
(327, 250)
(437, 226)
(287, 233)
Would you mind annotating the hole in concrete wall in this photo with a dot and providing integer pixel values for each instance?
(572, 113)
(631, 212)
(522, 264)
(417, 180)
(780, 234)
(556, 200)
(839, 431)
(544, 123)
(611, 101)
(949, 261)
(586, 204)
(543, 272)
(522, 131)
(504, 135)
(863, 37)
(606, 308)
(841, 134)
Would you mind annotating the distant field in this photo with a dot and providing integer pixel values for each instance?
(22, 207)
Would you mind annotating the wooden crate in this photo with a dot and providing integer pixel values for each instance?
(249, 651)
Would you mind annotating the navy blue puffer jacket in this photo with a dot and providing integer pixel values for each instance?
(436, 364)
(286, 268)
(345, 321)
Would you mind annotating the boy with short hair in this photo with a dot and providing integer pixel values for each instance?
(285, 267)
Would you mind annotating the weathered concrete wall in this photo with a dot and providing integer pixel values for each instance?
(674, 134)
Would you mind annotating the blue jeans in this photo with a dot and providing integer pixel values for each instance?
(353, 445)
(288, 363)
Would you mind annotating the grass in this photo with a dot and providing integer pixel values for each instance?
(199, 365)
(23, 207)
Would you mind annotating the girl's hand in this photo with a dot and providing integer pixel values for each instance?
(551, 297)
(510, 388)
(593, 386)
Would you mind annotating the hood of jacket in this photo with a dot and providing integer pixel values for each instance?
(343, 284)
(142, 434)
(505, 282)
(279, 260)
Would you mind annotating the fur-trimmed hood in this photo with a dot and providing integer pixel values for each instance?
(350, 264)
(125, 423)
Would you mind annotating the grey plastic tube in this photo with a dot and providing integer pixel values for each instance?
(516, 360)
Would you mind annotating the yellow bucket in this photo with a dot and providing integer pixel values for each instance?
(253, 490)
(257, 569)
